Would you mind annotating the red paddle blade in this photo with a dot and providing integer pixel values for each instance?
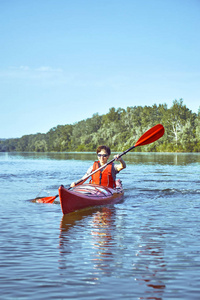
(151, 135)
(46, 199)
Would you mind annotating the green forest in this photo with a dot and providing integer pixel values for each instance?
(119, 129)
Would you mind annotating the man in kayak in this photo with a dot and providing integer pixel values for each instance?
(107, 175)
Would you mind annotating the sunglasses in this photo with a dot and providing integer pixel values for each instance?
(102, 155)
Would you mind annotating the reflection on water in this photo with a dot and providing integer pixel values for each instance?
(163, 158)
(147, 266)
(131, 157)
(69, 220)
(101, 235)
(100, 223)
(50, 155)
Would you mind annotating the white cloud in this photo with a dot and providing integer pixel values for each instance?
(24, 68)
(48, 69)
(27, 73)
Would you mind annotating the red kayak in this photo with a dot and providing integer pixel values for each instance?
(88, 195)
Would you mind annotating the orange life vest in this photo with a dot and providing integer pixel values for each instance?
(104, 177)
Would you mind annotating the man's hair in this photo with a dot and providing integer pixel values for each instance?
(106, 148)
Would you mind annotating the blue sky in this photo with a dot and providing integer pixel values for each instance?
(61, 61)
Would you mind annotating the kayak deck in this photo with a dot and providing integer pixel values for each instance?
(88, 195)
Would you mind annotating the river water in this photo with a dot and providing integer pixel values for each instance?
(147, 247)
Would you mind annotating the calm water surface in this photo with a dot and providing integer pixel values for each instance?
(147, 247)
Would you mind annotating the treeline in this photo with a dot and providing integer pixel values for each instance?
(119, 129)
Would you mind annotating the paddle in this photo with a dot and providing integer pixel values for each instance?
(49, 199)
(148, 137)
